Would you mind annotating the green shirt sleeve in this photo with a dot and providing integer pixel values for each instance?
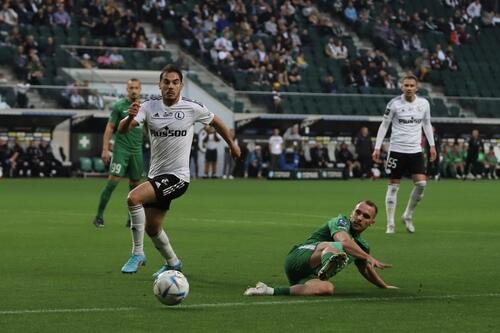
(339, 223)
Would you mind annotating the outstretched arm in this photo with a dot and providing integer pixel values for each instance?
(371, 275)
(128, 123)
(226, 135)
(353, 249)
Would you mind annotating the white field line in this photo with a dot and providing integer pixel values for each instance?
(259, 303)
(256, 222)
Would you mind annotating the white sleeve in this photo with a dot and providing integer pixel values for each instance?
(201, 114)
(384, 126)
(428, 127)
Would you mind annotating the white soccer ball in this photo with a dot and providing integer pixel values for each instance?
(171, 287)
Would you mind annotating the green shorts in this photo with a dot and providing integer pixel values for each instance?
(297, 268)
(125, 163)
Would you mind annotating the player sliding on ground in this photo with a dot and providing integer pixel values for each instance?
(326, 252)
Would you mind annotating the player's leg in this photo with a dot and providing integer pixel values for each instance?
(313, 287)
(117, 169)
(142, 194)
(417, 169)
(104, 199)
(330, 258)
(135, 173)
(154, 218)
(395, 166)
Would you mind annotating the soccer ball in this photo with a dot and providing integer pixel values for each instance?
(171, 287)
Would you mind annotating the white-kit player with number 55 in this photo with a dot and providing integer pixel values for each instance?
(408, 114)
(170, 121)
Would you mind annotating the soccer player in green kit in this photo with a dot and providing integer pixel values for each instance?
(127, 151)
(326, 252)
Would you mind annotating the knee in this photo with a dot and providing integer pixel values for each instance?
(326, 289)
(133, 199)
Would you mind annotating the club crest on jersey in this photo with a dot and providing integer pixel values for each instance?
(341, 223)
(179, 115)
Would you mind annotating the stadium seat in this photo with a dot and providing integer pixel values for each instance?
(98, 164)
(85, 164)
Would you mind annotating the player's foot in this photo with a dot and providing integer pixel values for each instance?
(133, 263)
(260, 289)
(390, 229)
(99, 222)
(408, 221)
(127, 224)
(333, 265)
(167, 267)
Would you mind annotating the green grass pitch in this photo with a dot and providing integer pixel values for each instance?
(58, 273)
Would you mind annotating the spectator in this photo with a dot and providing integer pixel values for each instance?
(85, 20)
(350, 13)
(329, 85)
(364, 148)
(330, 50)
(275, 149)
(253, 163)
(61, 17)
(455, 161)
(491, 164)
(474, 10)
(22, 95)
(319, 156)
(116, 59)
(95, 101)
(158, 42)
(416, 44)
(8, 15)
(277, 100)
(210, 142)
(423, 65)
(76, 101)
(343, 155)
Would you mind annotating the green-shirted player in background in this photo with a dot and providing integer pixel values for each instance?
(328, 250)
(127, 150)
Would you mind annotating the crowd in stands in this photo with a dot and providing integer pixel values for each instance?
(291, 151)
(29, 159)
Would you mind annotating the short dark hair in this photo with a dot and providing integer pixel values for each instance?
(409, 77)
(371, 204)
(171, 69)
(134, 79)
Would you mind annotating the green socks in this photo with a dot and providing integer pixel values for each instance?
(281, 291)
(105, 196)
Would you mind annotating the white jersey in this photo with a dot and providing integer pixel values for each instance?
(171, 131)
(407, 119)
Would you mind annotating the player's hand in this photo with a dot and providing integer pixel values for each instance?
(433, 156)
(376, 155)
(374, 263)
(106, 156)
(235, 151)
(134, 109)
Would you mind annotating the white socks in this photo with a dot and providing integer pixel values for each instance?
(391, 199)
(137, 224)
(416, 195)
(162, 243)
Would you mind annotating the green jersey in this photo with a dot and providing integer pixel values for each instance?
(333, 226)
(132, 140)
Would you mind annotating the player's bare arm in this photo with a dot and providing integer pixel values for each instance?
(226, 135)
(371, 275)
(126, 124)
(108, 133)
(353, 249)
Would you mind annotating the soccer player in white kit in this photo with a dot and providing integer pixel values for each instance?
(170, 121)
(408, 114)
